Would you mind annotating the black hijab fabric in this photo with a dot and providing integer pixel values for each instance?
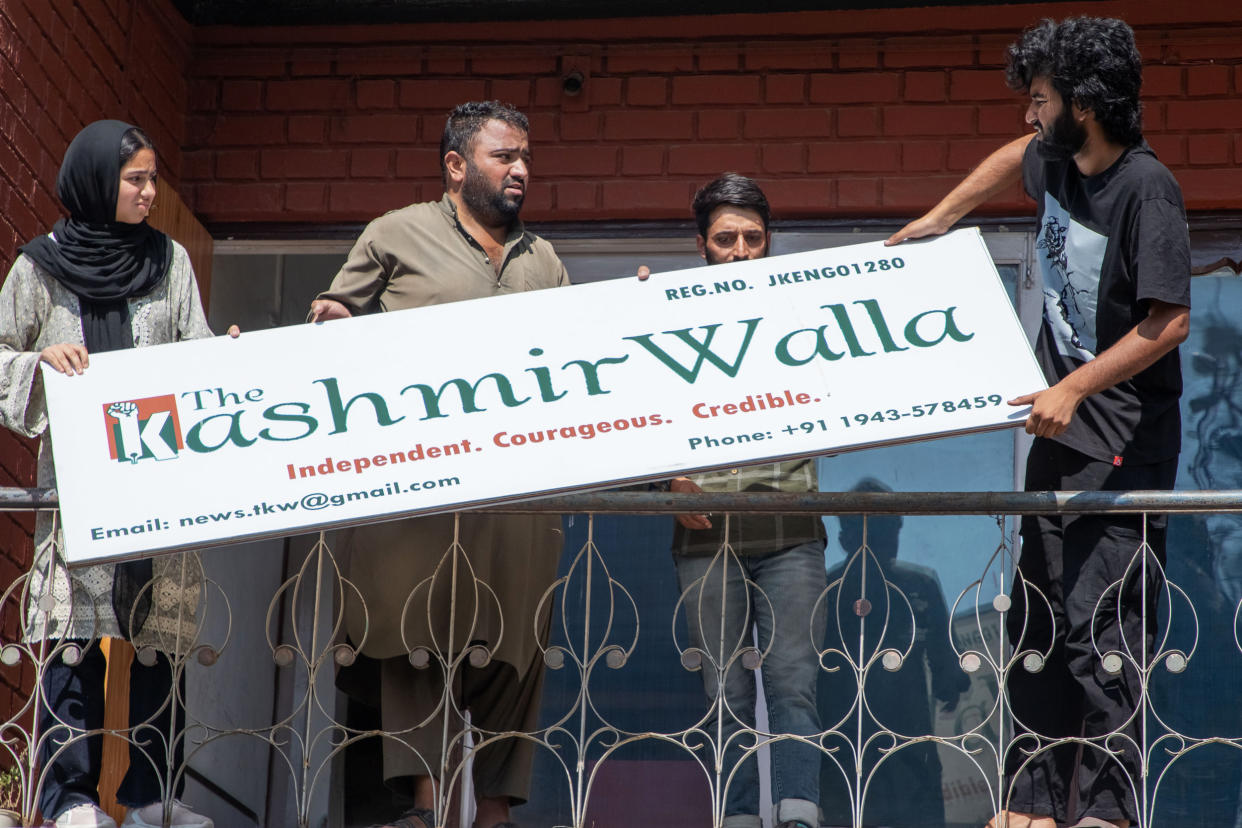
(101, 260)
(104, 262)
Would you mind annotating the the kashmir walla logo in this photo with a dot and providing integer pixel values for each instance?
(143, 429)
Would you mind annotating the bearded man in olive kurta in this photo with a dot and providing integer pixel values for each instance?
(468, 245)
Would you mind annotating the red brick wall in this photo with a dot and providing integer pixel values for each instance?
(839, 114)
(63, 64)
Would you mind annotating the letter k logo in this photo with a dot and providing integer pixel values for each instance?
(149, 433)
(137, 437)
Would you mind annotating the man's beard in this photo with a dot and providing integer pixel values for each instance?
(1065, 137)
(492, 207)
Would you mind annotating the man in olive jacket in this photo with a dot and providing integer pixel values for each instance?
(468, 245)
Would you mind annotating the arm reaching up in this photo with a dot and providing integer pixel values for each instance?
(998, 171)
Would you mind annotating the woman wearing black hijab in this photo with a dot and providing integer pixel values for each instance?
(102, 280)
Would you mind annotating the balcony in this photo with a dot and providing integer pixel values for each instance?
(914, 727)
(913, 730)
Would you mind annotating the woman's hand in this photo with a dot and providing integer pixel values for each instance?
(66, 358)
(234, 331)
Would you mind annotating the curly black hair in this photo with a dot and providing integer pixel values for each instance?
(1090, 61)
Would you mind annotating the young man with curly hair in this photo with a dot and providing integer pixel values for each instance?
(1114, 253)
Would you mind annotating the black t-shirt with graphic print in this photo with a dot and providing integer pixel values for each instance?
(1106, 245)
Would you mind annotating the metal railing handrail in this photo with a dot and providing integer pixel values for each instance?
(828, 503)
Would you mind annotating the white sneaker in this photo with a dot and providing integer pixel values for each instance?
(86, 815)
(152, 816)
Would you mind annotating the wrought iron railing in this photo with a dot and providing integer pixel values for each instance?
(903, 700)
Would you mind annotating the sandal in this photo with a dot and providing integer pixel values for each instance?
(426, 819)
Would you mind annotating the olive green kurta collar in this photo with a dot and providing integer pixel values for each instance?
(515, 235)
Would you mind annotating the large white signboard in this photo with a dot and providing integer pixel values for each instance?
(425, 410)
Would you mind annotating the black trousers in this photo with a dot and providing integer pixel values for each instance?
(75, 697)
(1090, 570)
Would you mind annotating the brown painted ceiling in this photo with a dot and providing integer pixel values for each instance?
(337, 12)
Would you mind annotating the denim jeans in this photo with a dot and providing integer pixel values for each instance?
(775, 594)
(75, 697)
